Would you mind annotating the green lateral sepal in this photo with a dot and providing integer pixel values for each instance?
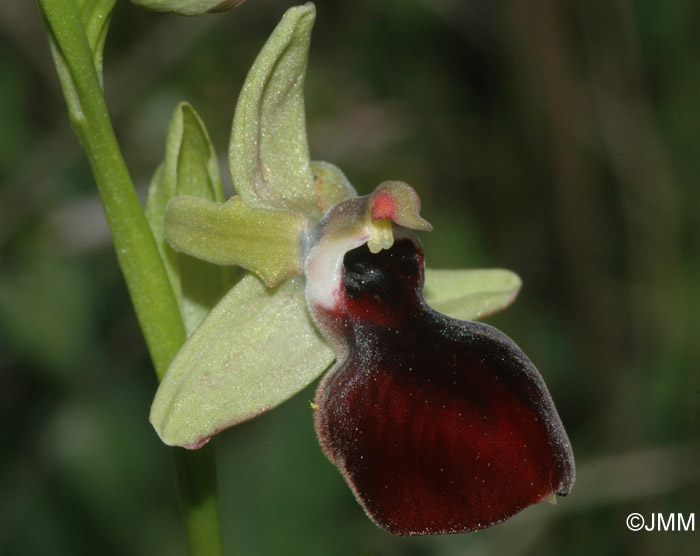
(257, 348)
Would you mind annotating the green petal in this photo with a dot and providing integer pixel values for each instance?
(257, 348)
(331, 185)
(190, 167)
(470, 294)
(269, 153)
(266, 241)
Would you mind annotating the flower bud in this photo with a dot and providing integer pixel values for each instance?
(226, 5)
(188, 7)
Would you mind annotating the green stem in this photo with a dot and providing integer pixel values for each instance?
(153, 298)
(146, 278)
(196, 474)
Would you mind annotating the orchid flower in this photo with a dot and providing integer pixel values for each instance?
(439, 425)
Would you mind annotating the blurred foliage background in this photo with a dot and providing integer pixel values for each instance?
(558, 139)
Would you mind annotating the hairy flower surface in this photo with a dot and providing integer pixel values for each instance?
(439, 425)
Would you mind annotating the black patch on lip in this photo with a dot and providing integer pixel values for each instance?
(382, 275)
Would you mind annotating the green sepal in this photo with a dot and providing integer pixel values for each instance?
(266, 241)
(269, 153)
(190, 168)
(470, 294)
(160, 190)
(331, 185)
(257, 348)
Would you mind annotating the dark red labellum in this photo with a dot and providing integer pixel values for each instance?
(438, 425)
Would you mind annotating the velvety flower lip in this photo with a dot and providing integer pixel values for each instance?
(438, 425)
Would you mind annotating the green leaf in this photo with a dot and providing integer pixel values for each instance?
(331, 185)
(269, 153)
(265, 241)
(96, 16)
(470, 294)
(190, 168)
(257, 348)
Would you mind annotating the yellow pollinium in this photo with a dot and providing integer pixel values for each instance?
(381, 235)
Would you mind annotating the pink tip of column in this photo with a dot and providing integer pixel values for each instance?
(383, 206)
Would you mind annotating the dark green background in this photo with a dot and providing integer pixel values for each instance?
(558, 139)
